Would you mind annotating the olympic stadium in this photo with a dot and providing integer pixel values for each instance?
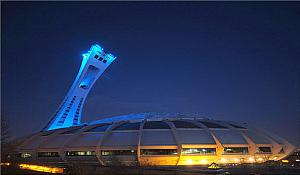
(142, 139)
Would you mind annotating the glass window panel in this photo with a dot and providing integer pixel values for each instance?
(257, 137)
(199, 151)
(236, 150)
(47, 133)
(264, 149)
(72, 131)
(129, 126)
(101, 128)
(237, 126)
(159, 152)
(184, 124)
(25, 155)
(156, 125)
(80, 153)
(118, 152)
(48, 154)
(212, 125)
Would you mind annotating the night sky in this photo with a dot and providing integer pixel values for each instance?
(235, 61)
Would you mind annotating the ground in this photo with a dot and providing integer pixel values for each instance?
(9, 170)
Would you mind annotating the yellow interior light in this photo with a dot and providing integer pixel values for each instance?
(189, 161)
(41, 168)
(236, 160)
(223, 160)
(251, 159)
(260, 159)
(203, 161)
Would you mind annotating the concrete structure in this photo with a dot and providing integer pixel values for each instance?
(93, 65)
(143, 139)
(156, 139)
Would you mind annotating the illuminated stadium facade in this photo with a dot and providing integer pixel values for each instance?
(143, 139)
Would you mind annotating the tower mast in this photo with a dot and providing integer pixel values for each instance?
(94, 63)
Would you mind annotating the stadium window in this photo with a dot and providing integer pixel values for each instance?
(184, 124)
(118, 152)
(212, 125)
(96, 56)
(80, 153)
(199, 151)
(236, 150)
(128, 126)
(159, 152)
(156, 125)
(264, 149)
(25, 155)
(104, 61)
(48, 154)
(101, 128)
(237, 126)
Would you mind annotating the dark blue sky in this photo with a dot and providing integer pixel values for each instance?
(230, 61)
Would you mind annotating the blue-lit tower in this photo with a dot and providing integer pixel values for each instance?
(93, 65)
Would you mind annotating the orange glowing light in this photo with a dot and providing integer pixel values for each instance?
(189, 161)
(260, 159)
(41, 168)
(236, 160)
(203, 161)
(223, 160)
(251, 159)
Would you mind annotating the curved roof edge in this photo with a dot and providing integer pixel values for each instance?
(148, 115)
